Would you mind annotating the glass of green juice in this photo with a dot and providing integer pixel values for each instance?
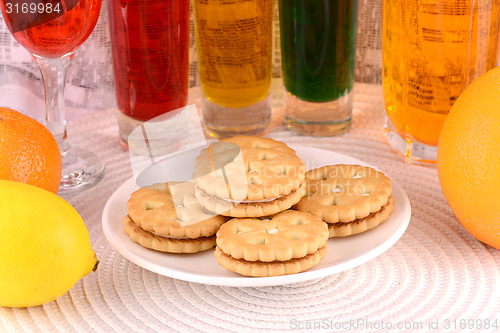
(318, 43)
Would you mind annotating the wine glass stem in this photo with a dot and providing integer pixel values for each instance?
(54, 79)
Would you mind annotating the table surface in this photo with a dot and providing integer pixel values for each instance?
(436, 277)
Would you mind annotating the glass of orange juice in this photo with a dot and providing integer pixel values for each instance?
(431, 51)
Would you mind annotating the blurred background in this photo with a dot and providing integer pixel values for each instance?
(90, 84)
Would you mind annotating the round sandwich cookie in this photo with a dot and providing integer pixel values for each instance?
(249, 176)
(350, 198)
(288, 243)
(167, 217)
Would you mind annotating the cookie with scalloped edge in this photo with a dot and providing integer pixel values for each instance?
(249, 176)
(156, 242)
(171, 210)
(344, 193)
(287, 243)
(167, 217)
(361, 225)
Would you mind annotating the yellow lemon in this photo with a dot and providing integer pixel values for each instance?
(44, 246)
(468, 159)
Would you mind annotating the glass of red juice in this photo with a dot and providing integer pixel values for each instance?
(150, 46)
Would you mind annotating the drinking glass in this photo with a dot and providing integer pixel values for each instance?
(52, 30)
(431, 51)
(234, 44)
(318, 44)
(150, 47)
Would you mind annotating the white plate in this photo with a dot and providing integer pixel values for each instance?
(343, 253)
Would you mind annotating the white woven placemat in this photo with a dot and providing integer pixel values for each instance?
(436, 277)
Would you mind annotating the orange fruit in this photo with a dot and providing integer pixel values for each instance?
(468, 159)
(28, 151)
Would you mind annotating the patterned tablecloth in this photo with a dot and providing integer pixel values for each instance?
(436, 277)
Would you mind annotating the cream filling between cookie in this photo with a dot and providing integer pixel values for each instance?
(180, 238)
(170, 237)
(248, 201)
(319, 251)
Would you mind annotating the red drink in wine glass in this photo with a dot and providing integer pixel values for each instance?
(52, 30)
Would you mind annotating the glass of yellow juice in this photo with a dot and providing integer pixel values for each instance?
(234, 46)
(431, 51)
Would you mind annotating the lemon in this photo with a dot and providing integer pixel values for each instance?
(44, 246)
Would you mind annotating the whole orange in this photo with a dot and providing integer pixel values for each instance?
(28, 151)
(468, 158)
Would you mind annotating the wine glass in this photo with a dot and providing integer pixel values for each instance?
(52, 30)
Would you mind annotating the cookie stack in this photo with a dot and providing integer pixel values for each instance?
(249, 176)
(350, 198)
(164, 222)
(290, 242)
